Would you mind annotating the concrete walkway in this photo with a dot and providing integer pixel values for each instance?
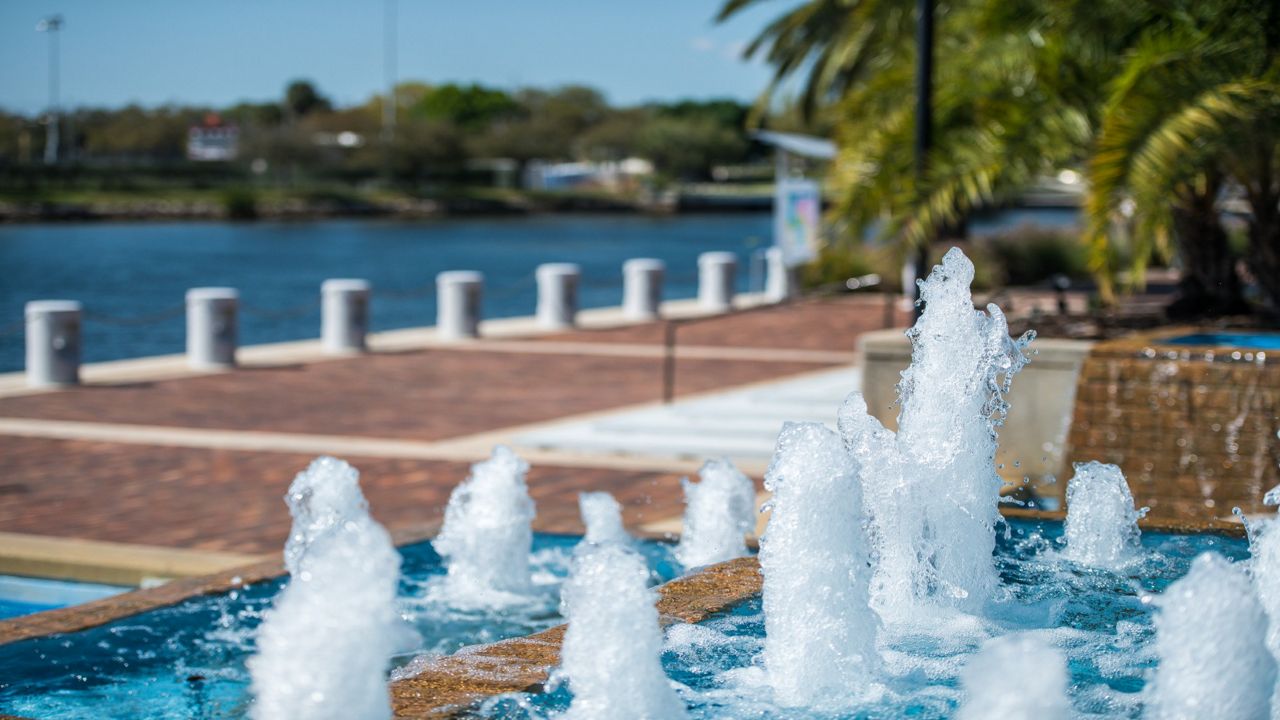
(740, 424)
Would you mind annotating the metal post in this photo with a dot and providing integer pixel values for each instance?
(389, 69)
(924, 129)
(53, 342)
(717, 272)
(344, 316)
(458, 294)
(211, 327)
(642, 288)
(557, 295)
(52, 25)
(780, 283)
(668, 361)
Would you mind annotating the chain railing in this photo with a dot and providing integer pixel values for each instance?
(148, 319)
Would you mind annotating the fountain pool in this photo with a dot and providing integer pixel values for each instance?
(1101, 621)
(188, 660)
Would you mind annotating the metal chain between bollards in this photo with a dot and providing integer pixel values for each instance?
(293, 311)
(511, 290)
(13, 328)
(148, 319)
(405, 294)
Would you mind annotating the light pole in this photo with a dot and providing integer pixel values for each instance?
(389, 69)
(52, 25)
(924, 131)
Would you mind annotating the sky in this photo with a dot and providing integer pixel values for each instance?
(218, 52)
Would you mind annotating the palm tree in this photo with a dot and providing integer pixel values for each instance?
(836, 43)
(1026, 87)
(1196, 109)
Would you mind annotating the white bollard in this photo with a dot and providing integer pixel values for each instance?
(716, 274)
(557, 295)
(344, 316)
(211, 327)
(780, 279)
(642, 288)
(458, 295)
(53, 342)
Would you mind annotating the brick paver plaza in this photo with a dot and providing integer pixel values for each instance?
(184, 495)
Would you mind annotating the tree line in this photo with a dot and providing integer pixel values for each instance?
(437, 130)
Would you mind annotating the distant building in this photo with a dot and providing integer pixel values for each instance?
(541, 175)
(213, 140)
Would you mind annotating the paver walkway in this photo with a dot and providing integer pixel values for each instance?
(202, 462)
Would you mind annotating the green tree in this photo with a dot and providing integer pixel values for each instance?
(547, 125)
(1195, 110)
(470, 107)
(301, 98)
(687, 148)
(1028, 98)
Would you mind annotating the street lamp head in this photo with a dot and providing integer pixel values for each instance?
(53, 23)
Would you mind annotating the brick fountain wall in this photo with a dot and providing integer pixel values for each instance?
(1193, 427)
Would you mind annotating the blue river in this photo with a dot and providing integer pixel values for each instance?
(131, 277)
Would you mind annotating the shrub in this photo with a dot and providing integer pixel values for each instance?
(1031, 255)
(833, 266)
(240, 203)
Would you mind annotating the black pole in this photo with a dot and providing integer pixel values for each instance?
(924, 129)
(668, 361)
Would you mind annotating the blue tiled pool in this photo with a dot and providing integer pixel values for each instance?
(24, 595)
(188, 660)
(1251, 340)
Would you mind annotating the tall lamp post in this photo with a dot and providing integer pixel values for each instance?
(924, 128)
(389, 68)
(389, 53)
(52, 25)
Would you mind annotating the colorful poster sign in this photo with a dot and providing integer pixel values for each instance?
(797, 210)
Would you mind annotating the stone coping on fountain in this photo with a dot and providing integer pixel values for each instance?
(449, 686)
(115, 607)
(109, 609)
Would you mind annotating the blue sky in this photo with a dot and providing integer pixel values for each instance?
(221, 51)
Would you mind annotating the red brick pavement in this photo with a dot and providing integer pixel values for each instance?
(813, 324)
(233, 500)
(427, 395)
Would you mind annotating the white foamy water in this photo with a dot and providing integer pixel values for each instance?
(1211, 643)
(1102, 525)
(719, 513)
(820, 632)
(324, 647)
(1015, 677)
(611, 656)
(932, 488)
(1264, 549)
(602, 517)
(487, 535)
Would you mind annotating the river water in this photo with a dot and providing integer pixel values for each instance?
(131, 277)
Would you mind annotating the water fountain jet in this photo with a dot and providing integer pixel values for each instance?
(1210, 639)
(820, 632)
(719, 512)
(487, 534)
(1041, 672)
(602, 516)
(324, 647)
(612, 648)
(933, 508)
(1101, 529)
